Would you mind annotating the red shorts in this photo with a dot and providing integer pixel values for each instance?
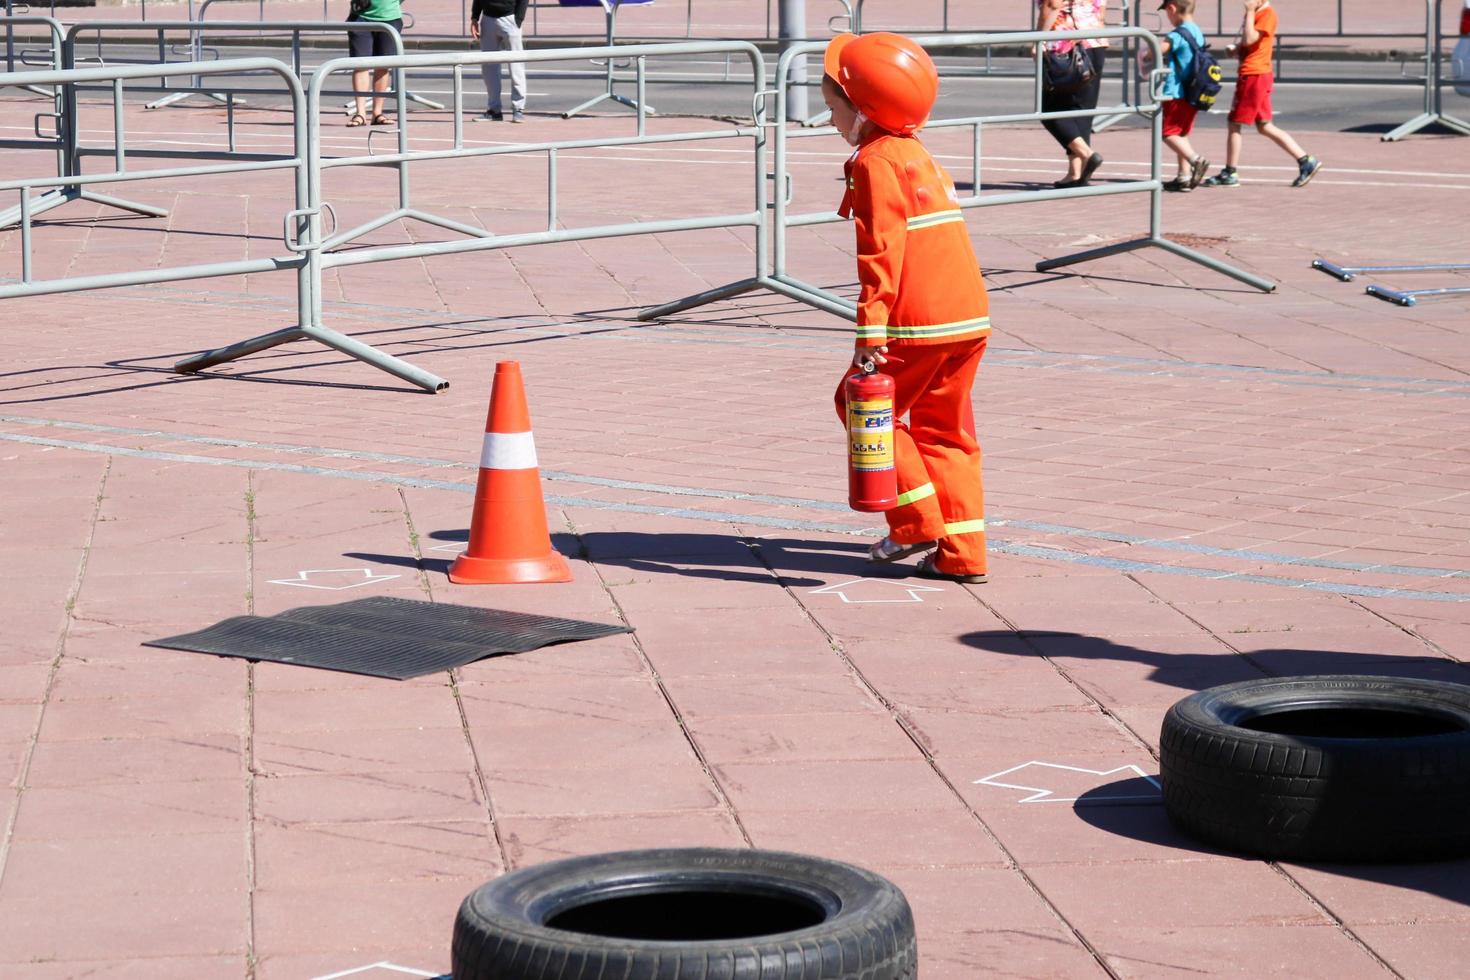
(1179, 117)
(1252, 99)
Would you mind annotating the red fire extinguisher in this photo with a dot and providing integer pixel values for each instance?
(872, 480)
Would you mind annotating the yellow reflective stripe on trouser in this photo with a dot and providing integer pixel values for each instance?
(964, 527)
(917, 493)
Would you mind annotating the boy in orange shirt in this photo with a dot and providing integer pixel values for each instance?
(1252, 103)
(921, 291)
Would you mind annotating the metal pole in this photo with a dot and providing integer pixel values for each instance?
(9, 41)
(793, 30)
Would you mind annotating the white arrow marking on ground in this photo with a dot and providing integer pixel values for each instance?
(303, 579)
(839, 588)
(379, 966)
(451, 546)
(1040, 795)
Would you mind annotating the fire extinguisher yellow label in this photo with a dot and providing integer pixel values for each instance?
(870, 428)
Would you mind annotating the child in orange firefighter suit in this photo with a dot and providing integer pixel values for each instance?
(922, 294)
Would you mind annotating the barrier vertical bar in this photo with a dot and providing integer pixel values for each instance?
(1433, 82)
(25, 234)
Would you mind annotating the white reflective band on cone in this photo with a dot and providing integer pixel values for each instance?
(508, 451)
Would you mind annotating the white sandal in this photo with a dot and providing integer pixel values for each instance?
(889, 550)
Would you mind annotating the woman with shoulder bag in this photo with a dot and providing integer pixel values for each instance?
(1067, 83)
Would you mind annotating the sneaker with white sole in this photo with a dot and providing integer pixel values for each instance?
(1307, 169)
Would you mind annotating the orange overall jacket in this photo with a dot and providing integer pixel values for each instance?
(921, 288)
(921, 283)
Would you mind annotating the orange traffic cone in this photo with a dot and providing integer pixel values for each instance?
(509, 543)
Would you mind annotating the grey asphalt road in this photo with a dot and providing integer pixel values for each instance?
(1331, 96)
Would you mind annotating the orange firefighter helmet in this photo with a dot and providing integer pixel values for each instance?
(888, 77)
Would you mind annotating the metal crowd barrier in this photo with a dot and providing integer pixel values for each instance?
(778, 280)
(121, 172)
(1434, 59)
(1432, 82)
(198, 28)
(64, 141)
(11, 20)
(1433, 46)
(321, 252)
(854, 17)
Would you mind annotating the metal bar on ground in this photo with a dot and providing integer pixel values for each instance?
(1348, 273)
(1410, 297)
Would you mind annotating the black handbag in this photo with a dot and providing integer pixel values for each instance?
(1068, 71)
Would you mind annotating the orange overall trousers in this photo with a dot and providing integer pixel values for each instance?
(941, 495)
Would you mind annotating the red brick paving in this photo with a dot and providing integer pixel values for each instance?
(171, 814)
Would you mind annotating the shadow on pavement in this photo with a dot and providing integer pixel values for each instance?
(1196, 671)
(1449, 880)
(719, 555)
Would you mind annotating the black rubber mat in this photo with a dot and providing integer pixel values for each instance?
(384, 636)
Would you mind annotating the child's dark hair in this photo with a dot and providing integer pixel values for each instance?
(830, 86)
(1184, 7)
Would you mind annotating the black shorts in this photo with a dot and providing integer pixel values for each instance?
(371, 44)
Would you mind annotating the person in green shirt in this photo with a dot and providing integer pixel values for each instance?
(372, 44)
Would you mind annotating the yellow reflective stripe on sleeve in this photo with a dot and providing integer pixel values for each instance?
(935, 218)
(939, 329)
(872, 331)
(917, 493)
(964, 527)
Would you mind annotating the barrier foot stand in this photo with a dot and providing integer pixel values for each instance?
(38, 90)
(1046, 265)
(699, 299)
(147, 210)
(220, 355)
(821, 299)
(1104, 122)
(421, 100)
(1335, 271)
(1392, 295)
(56, 198)
(1410, 297)
(1224, 268)
(322, 335)
(1264, 285)
(371, 355)
(607, 97)
(1424, 120)
(352, 234)
(168, 100)
(40, 204)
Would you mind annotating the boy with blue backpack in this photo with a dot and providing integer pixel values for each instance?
(1192, 84)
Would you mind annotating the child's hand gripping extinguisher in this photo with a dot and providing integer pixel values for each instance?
(872, 480)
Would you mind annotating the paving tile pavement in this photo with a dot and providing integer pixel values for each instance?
(1189, 484)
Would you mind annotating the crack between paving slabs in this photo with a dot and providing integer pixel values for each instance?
(1407, 629)
(250, 768)
(898, 719)
(60, 652)
(464, 721)
(726, 803)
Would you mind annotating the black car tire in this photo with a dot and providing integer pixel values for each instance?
(686, 914)
(1335, 768)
